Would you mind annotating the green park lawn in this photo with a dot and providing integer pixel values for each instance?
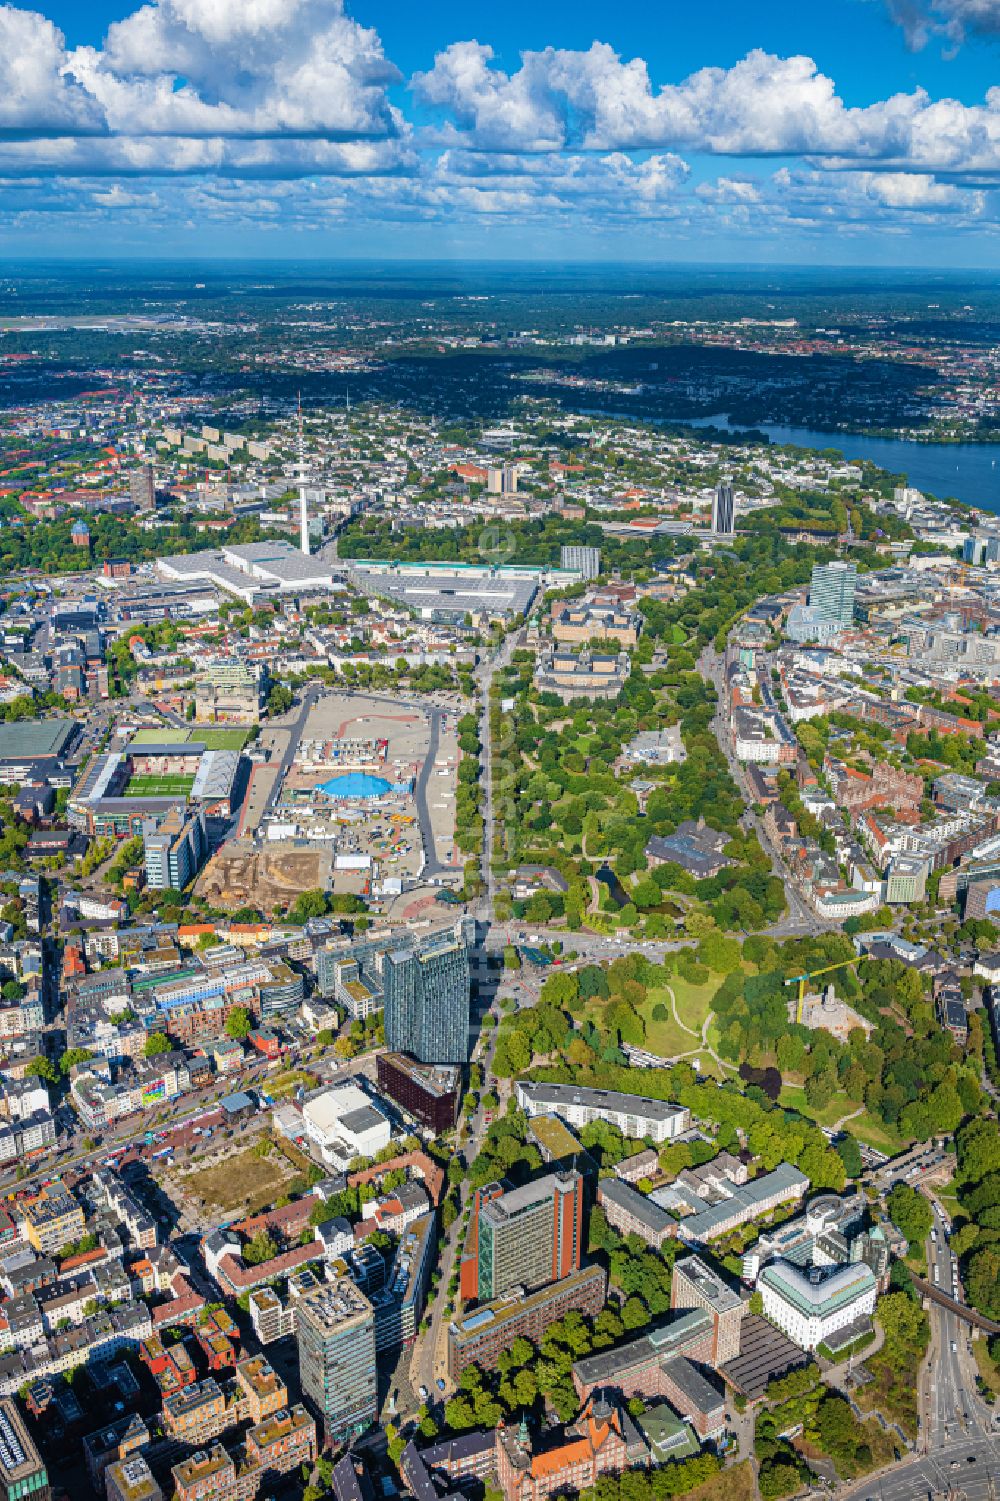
(946, 1193)
(693, 1005)
(865, 1128)
(987, 1365)
(875, 1133)
(793, 1097)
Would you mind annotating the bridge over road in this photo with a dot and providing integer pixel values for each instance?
(960, 1310)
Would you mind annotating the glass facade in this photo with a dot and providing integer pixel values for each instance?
(427, 1003)
(335, 1331)
(831, 592)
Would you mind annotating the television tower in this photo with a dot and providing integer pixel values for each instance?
(303, 510)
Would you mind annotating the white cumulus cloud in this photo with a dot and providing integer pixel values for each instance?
(36, 98)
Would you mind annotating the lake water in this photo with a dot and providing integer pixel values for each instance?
(618, 895)
(963, 471)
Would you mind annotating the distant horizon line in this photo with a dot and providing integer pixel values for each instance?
(210, 259)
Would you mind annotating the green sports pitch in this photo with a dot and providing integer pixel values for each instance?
(221, 738)
(165, 786)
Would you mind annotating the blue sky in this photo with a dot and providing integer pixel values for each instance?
(837, 132)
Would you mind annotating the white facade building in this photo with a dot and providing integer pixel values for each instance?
(345, 1122)
(813, 1304)
(577, 1105)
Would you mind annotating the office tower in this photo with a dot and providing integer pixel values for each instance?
(583, 560)
(22, 1473)
(429, 1092)
(174, 848)
(335, 1334)
(695, 1285)
(142, 488)
(724, 509)
(501, 479)
(427, 1001)
(524, 1237)
(831, 593)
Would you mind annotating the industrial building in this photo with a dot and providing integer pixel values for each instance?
(253, 571)
(456, 593)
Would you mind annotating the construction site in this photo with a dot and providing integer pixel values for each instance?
(270, 877)
(356, 796)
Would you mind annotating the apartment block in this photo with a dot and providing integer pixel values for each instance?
(208, 1475)
(131, 1480)
(52, 1219)
(284, 1441)
(632, 1213)
(578, 1106)
(271, 1318)
(197, 1413)
(262, 1389)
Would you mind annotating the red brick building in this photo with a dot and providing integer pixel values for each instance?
(603, 1441)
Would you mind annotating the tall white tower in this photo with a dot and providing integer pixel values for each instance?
(303, 509)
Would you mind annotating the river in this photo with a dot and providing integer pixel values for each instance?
(962, 471)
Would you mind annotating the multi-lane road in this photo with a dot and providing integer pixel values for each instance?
(429, 1362)
(966, 1470)
(950, 1405)
(958, 1454)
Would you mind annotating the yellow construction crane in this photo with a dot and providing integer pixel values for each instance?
(800, 980)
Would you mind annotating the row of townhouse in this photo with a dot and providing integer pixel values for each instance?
(113, 1329)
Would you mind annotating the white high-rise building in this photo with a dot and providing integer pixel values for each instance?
(303, 501)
